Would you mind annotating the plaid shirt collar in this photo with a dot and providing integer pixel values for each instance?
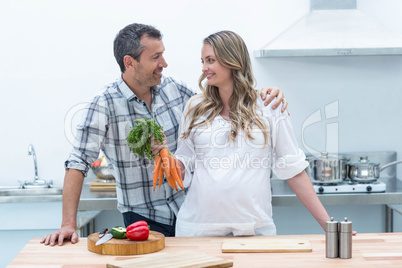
(128, 93)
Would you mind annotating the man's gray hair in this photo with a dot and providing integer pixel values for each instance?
(128, 42)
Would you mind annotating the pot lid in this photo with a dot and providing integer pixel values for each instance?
(364, 162)
(327, 156)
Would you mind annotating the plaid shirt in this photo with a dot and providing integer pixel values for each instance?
(105, 126)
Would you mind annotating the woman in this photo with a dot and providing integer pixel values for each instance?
(229, 143)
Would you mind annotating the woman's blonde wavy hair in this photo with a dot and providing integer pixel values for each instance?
(231, 52)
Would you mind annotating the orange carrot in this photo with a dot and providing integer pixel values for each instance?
(166, 166)
(160, 175)
(165, 160)
(157, 166)
(180, 181)
(174, 171)
(169, 180)
(171, 168)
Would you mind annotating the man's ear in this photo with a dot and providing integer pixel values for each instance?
(130, 63)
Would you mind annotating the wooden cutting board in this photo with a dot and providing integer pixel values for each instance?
(186, 258)
(266, 245)
(155, 242)
(97, 186)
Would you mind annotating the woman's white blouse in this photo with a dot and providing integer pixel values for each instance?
(229, 190)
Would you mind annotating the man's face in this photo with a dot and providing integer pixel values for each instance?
(151, 62)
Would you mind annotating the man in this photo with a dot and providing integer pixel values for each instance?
(140, 92)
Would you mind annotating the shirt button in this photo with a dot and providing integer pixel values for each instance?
(144, 104)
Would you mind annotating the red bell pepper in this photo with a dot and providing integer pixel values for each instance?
(136, 224)
(96, 163)
(139, 233)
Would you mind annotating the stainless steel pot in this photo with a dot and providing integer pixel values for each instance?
(327, 169)
(366, 171)
(103, 173)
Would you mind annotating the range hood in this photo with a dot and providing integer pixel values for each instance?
(334, 28)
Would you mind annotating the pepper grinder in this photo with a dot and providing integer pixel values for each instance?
(345, 239)
(331, 238)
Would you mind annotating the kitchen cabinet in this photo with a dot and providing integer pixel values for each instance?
(360, 208)
(23, 220)
(368, 250)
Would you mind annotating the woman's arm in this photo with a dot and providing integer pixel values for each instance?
(304, 190)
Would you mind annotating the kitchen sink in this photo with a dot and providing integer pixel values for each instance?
(11, 191)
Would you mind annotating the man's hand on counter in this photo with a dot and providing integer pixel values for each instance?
(65, 232)
(72, 187)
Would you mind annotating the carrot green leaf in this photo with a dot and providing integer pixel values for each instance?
(139, 138)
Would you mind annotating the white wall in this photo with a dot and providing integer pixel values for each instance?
(56, 54)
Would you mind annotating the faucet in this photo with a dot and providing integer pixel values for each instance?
(37, 182)
(31, 151)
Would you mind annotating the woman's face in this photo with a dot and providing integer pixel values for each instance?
(217, 75)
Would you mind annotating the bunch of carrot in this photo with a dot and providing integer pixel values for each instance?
(167, 164)
(139, 142)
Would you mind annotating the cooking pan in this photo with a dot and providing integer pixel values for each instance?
(327, 168)
(366, 171)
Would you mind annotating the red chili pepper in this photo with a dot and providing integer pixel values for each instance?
(139, 233)
(136, 224)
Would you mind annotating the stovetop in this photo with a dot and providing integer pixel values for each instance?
(350, 187)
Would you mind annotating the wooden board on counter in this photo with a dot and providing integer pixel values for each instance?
(155, 242)
(179, 259)
(368, 250)
(98, 186)
(266, 245)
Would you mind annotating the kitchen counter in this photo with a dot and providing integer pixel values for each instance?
(282, 195)
(369, 250)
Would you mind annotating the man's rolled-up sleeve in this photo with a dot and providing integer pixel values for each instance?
(89, 136)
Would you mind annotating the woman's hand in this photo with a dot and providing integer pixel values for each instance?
(273, 92)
